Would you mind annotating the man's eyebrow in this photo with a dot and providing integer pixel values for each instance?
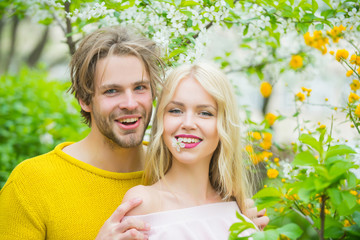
(143, 81)
(115, 85)
(111, 85)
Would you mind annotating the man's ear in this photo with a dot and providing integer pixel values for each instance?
(84, 106)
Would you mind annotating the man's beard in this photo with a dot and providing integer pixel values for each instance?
(125, 138)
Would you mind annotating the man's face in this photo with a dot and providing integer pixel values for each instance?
(122, 103)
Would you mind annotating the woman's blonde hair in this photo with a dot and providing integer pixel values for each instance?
(227, 169)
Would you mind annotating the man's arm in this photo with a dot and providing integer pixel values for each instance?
(117, 228)
(18, 218)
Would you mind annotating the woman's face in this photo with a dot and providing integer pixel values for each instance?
(190, 123)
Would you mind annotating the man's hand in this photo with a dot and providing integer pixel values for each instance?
(258, 217)
(117, 228)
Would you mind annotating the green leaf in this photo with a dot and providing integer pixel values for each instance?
(351, 180)
(335, 196)
(305, 159)
(176, 52)
(311, 141)
(339, 150)
(267, 192)
(356, 217)
(327, 3)
(290, 230)
(266, 235)
(349, 199)
(230, 2)
(188, 3)
(333, 228)
(339, 168)
(266, 202)
(303, 27)
(315, 6)
(319, 26)
(328, 13)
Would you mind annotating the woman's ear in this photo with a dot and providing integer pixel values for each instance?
(84, 106)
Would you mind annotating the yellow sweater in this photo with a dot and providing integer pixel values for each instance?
(55, 196)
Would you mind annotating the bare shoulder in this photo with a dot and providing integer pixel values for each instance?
(149, 196)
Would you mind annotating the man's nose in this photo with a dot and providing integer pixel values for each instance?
(128, 101)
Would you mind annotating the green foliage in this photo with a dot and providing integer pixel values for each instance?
(322, 190)
(35, 115)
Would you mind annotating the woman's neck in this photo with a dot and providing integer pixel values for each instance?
(190, 185)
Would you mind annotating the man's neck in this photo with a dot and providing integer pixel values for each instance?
(106, 156)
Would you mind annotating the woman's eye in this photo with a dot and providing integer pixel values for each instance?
(206, 113)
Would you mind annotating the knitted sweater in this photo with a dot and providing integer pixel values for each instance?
(55, 196)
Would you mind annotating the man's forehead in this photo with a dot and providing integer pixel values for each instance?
(120, 70)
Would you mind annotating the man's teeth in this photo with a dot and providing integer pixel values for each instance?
(128, 120)
(188, 140)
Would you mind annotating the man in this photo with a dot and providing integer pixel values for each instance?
(70, 192)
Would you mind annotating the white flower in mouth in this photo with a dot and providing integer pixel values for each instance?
(177, 144)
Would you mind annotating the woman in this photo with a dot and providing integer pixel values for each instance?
(194, 170)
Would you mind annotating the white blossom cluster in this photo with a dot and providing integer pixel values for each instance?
(40, 10)
(89, 11)
(164, 22)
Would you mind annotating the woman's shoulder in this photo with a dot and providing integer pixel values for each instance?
(148, 194)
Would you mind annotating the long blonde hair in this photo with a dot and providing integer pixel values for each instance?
(227, 171)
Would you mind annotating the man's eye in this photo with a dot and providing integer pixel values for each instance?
(110, 91)
(140, 88)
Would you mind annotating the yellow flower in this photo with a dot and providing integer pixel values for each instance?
(300, 96)
(256, 135)
(249, 149)
(267, 154)
(267, 136)
(265, 144)
(322, 126)
(349, 73)
(270, 118)
(296, 62)
(308, 39)
(354, 59)
(304, 89)
(341, 54)
(358, 71)
(357, 111)
(283, 180)
(355, 85)
(353, 97)
(336, 33)
(265, 89)
(331, 52)
(255, 158)
(326, 99)
(272, 173)
(353, 192)
(347, 223)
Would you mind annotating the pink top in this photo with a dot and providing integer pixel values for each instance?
(209, 221)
